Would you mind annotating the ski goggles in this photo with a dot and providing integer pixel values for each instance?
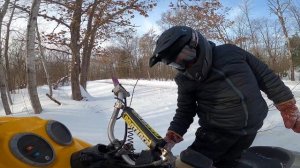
(184, 59)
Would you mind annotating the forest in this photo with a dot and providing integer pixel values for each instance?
(55, 42)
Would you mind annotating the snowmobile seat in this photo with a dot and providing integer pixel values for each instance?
(195, 159)
(266, 156)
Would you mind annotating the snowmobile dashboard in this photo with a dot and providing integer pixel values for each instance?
(34, 142)
(35, 150)
(32, 149)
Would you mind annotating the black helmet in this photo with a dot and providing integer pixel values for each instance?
(170, 43)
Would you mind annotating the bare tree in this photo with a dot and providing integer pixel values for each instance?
(2, 72)
(3, 91)
(31, 57)
(295, 13)
(7, 75)
(208, 17)
(128, 43)
(9, 81)
(17, 60)
(239, 30)
(146, 47)
(278, 7)
(269, 31)
(43, 60)
(75, 48)
(245, 8)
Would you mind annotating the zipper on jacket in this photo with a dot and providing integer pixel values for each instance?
(237, 91)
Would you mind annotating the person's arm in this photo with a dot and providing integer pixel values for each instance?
(268, 81)
(276, 91)
(186, 106)
(185, 112)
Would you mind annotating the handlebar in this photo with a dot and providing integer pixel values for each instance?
(148, 135)
(121, 94)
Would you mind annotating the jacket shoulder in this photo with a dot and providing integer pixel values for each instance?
(227, 54)
(228, 47)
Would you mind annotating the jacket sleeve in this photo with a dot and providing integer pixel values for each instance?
(268, 81)
(186, 107)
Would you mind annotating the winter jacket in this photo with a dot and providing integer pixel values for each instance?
(229, 99)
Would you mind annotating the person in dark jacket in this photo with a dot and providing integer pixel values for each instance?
(221, 85)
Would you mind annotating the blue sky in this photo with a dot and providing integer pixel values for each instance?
(258, 8)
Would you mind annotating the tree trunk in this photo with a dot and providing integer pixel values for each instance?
(30, 61)
(86, 56)
(3, 91)
(88, 45)
(9, 87)
(7, 90)
(43, 60)
(9, 80)
(2, 72)
(75, 48)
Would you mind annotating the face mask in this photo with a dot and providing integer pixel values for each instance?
(184, 59)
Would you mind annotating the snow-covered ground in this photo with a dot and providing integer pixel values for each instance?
(154, 100)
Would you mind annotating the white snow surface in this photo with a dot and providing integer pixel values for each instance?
(154, 100)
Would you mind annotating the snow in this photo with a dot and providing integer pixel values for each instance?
(154, 100)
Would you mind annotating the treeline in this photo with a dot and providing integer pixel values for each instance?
(85, 40)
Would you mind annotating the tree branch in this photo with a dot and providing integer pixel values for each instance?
(44, 16)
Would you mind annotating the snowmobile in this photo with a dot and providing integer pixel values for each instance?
(28, 142)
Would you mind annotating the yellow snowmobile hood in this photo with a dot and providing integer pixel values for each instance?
(27, 142)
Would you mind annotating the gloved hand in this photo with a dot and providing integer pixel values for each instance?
(172, 138)
(290, 114)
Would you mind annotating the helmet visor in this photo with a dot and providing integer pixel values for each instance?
(184, 59)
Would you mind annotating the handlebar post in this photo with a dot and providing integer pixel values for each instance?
(117, 107)
(121, 94)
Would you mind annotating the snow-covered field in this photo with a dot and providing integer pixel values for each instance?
(154, 100)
